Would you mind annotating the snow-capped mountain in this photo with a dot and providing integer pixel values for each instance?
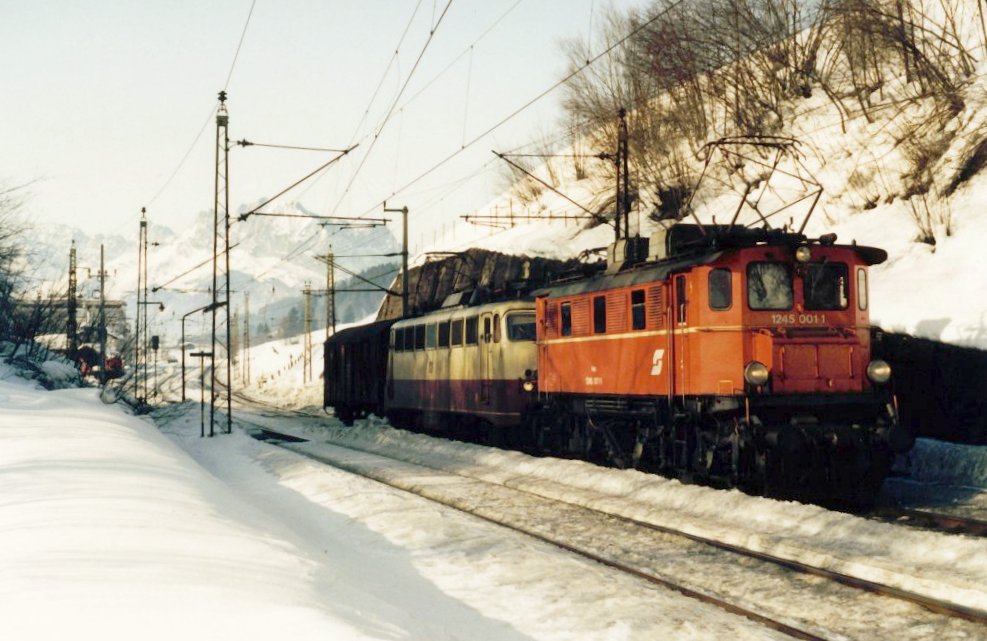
(271, 261)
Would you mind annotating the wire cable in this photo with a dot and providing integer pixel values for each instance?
(236, 55)
(394, 104)
(383, 76)
(589, 62)
(212, 112)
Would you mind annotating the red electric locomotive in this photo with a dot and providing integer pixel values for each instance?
(732, 356)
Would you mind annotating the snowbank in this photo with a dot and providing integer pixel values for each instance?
(109, 531)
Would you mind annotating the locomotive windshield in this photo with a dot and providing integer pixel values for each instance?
(521, 327)
(825, 286)
(769, 286)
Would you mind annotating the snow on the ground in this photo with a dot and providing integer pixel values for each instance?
(945, 567)
(111, 530)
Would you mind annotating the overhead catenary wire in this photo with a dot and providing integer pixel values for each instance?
(390, 112)
(212, 111)
(589, 62)
(383, 76)
(236, 55)
(305, 245)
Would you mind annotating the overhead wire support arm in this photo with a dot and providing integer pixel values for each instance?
(342, 220)
(320, 168)
(598, 217)
(248, 143)
(379, 288)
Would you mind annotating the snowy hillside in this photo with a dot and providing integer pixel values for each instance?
(899, 165)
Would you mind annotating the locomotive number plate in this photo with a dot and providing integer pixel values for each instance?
(798, 319)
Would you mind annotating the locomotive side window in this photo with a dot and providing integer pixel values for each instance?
(457, 332)
(680, 301)
(862, 289)
(769, 286)
(444, 334)
(720, 292)
(397, 340)
(565, 312)
(419, 337)
(496, 328)
(521, 327)
(431, 334)
(471, 330)
(826, 286)
(637, 309)
(486, 329)
(599, 314)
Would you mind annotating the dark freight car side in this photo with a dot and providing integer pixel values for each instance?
(356, 370)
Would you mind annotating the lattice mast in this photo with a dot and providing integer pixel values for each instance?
(72, 304)
(221, 266)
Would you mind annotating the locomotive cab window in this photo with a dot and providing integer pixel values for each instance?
(637, 309)
(862, 289)
(419, 337)
(496, 328)
(457, 332)
(431, 334)
(444, 334)
(397, 340)
(825, 286)
(769, 286)
(681, 304)
(486, 329)
(565, 313)
(720, 291)
(471, 330)
(521, 327)
(600, 315)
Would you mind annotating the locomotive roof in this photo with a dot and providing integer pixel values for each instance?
(360, 332)
(647, 273)
(471, 310)
(659, 271)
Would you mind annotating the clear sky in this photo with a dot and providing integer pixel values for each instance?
(101, 100)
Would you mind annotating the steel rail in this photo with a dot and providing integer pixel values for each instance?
(931, 604)
(271, 436)
(936, 521)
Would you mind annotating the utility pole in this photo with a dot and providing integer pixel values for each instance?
(246, 338)
(72, 325)
(307, 330)
(331, 293)
(404, 256)
(221, 293)
(141, 307)
(622, 216)
(102, 314)
(144, 303)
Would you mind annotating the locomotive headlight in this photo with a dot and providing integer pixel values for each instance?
(530, 380)
(878, 371)
(756, 373)
(803, 254)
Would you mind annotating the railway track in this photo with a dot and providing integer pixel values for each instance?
(726, 576)
(948, 522)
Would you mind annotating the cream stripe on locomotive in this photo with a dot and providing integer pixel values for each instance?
(644, 334)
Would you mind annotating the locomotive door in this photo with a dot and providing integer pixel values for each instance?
(486, 356)
(678, 322)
